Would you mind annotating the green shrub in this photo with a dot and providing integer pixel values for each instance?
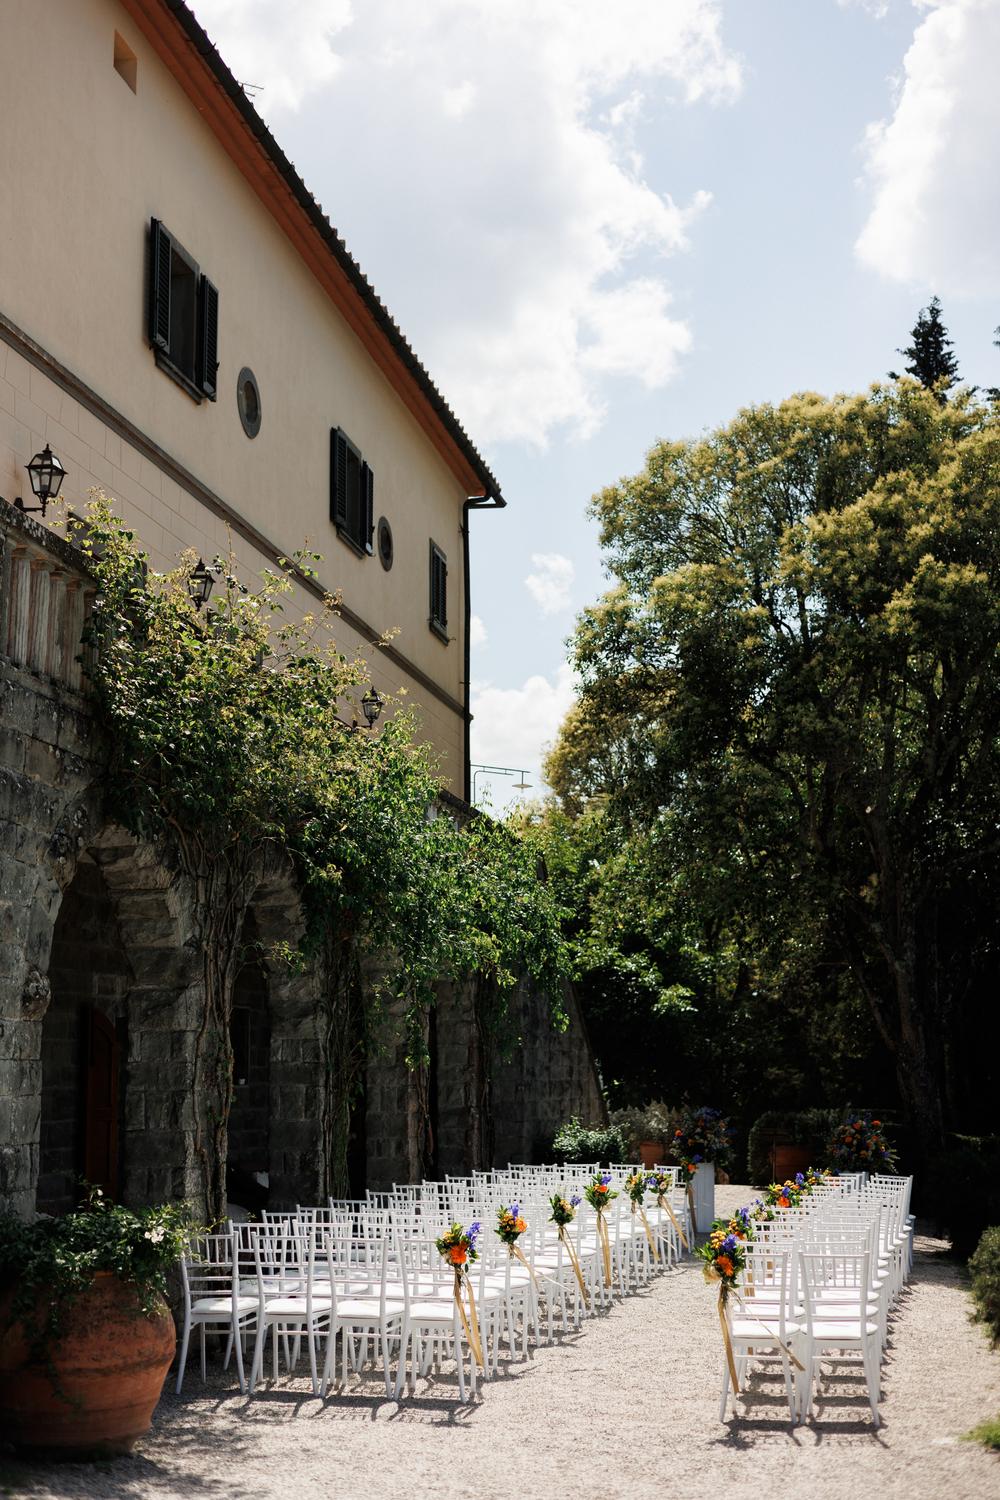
(654, 1122)
(985, 1268)
(798, 1127)
(575, 1144)
(963, 1194)
(987, 1433)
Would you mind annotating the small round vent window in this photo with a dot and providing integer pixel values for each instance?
(384, 543)
(248, 401)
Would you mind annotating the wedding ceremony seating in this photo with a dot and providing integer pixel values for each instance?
(362, 1282)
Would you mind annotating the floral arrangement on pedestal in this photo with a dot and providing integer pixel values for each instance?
(860, 1145)
(702, 1136)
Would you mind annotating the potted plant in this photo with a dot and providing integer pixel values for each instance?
(86, 1337)
(648, 1131)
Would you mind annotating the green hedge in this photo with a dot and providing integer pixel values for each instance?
(985, 1268)
(576, 1144)
(798, 1127)
(963, 1190)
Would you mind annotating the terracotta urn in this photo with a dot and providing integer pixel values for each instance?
(650, 1153)
(93, 1389)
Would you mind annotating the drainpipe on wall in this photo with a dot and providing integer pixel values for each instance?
(488, 501)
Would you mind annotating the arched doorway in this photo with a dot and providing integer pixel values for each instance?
(249, 1137)
(84, 1045)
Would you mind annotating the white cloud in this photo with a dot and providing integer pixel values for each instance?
(935, 219)
(477, 632)
(286, 50)
(877, 8)
(549, 585)
(508, 221)
(515, 727)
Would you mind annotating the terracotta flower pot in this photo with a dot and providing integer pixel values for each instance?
(650, 1153)
(96, 1391)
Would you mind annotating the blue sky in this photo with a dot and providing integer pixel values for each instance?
(601, 225)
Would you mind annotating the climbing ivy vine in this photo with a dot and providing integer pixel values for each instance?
(232, 731)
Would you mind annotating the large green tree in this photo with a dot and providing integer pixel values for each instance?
(794, 687)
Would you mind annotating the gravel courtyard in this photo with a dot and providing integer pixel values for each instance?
(629, 1407)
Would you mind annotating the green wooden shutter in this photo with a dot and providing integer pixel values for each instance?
(367, 509)
(208, 337)
(338, 477)
(160, 247)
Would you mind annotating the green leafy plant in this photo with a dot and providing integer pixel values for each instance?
(576, 1144)
(654, 1122)
(984, 1267)
(232, 736)
(49, 1263)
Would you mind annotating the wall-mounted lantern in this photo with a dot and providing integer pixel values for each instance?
(46, 474)
(200, 583)
(371, 706)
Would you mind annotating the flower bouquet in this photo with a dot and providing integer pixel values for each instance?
(599, 1193)
(458, 1247)
(787, 1194)
(635, 1186)
(860, 1145)
(510, 1225)
(724, 1255)
(661, 1183)
(563, 1213)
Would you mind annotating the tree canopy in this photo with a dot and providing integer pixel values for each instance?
(791, 702)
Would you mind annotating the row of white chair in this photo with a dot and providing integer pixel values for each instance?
(819, 1283)
(367, 1272)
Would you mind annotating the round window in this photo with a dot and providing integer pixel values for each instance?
(384, 543)
(248, 401)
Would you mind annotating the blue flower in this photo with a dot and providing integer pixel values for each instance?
(605, 1179)
(514, 1209)
(729, 1244)
(799, 1179)
(696, 1158)
(574, 1202)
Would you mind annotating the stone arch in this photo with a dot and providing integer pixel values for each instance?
(287, 1063)
(120, 968)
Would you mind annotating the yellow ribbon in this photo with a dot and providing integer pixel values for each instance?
(662, 1202)
(518, 1253)
(694, 1217)
(471, 1329)
(749, 1290)
(574, 1263)
(649, 1233)
(602, 1231)
(727, 1340)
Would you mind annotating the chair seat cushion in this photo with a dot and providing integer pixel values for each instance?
(222, 1306)
(766, 1331)
(367, 1309)
(830, 1330)
(295, 1307)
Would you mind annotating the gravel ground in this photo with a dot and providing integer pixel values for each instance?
(627, 1407)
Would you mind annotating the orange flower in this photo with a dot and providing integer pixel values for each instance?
(601, 1187)
(725, 1265)
(457, 1255)
(784, 1202)
(876, 1124)
(520, 1225)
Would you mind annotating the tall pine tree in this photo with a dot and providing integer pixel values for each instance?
(929, 356)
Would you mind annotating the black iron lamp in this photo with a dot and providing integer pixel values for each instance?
(200, 584)
(46, 474)
(371, 706)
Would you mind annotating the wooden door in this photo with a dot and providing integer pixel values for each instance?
(101, 1108)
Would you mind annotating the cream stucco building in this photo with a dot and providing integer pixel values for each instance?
(184, 328)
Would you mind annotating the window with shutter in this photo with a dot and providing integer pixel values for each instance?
(438, 620)
(183, 315)
(352, 493)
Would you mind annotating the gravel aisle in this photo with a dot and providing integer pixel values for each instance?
(628, 1407)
